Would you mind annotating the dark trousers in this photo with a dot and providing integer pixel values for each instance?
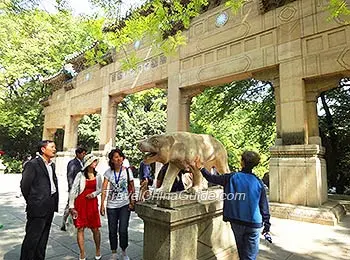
(247, 241)
(35, 240)
(65, 214)
(118, 223)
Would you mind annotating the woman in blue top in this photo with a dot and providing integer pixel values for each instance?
(245, 205)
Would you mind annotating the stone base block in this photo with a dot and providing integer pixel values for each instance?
(185, 228)
(298, 175)
(343, 200)
(330, 213)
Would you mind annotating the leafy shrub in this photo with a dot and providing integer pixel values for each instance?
(12, 165)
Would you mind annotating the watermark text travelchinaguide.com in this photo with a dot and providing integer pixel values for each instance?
(200, 196)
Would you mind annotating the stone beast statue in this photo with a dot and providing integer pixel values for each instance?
(180, 149)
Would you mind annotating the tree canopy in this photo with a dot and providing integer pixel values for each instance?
(334, 123)
(33, 45)
(241, 115)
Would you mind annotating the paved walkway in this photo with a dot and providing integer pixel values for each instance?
(292, 240)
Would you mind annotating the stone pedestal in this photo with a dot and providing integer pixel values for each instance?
(183, 226)
(298, 175)
(298, 185)
(330, 213)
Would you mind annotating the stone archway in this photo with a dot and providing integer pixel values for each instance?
(293, 45)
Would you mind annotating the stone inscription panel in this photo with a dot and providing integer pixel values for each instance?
(84, 104)
(54, 118)
(327, 52)
(145, 67)
(261, 41)
(140, 81)
(236, 57)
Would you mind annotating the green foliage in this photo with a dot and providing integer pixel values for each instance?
(138, 116)
(339, 8)
(21, 122)
(33, 44)
(158, 20)
(241, 115)
(12, 165)
(89, 131)
(335, 133)
(235, 5)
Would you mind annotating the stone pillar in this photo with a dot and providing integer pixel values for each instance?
(292, 102)
(71, 132)
(185, 107)
(312, 118)
(179, 108)
(276, 85)
(184, 112)
(174, 96)
(313, 90)
(183, 226)
(49, 133)
(108, 122)
(298, 175)
(297, 168)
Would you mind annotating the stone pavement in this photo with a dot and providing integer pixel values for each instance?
(292, 240)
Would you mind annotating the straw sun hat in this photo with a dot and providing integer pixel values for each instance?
(88, 159)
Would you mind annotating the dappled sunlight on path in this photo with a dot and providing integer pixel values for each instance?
(292, 240)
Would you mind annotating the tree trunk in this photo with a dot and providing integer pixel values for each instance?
(332, 149)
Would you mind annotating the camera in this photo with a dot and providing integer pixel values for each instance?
(268, 237)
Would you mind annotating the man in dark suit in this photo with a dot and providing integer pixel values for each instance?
(40, 190)
(74, 166)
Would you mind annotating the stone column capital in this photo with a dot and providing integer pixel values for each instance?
(191, 92)
(51, 131)
(311, 96)
(271, 75)
(76, 118)
(320, 85)
(115, 100)
(161, 85)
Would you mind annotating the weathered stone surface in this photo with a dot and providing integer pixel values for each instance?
(307, 53)
(188, 229)
(329, 213)
(298, 175)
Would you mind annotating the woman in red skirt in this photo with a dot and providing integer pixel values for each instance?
(83, 203)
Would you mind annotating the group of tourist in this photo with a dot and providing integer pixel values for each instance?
(40, 190)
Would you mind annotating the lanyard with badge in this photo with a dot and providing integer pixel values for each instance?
(114, 193)
(115, 176)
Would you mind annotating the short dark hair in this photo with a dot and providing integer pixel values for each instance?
(250, 159)
(111, 154)
(43, 143)
(80, 150)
